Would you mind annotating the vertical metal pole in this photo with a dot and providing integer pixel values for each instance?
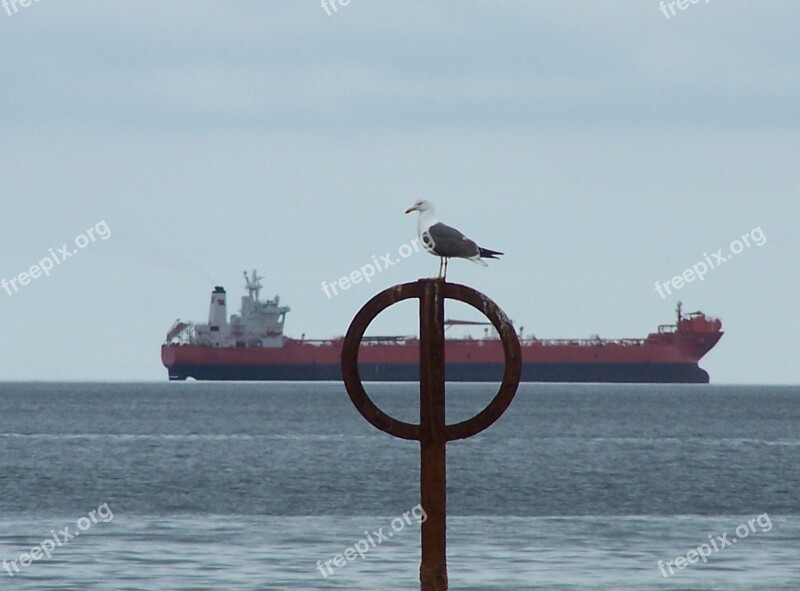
(433, 568)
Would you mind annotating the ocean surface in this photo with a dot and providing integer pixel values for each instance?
(233, 486)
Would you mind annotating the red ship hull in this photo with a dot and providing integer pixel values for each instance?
(668, 356)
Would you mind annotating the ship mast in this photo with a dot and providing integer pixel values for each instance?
(253, 285)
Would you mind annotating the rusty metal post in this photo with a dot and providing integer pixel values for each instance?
(433, 461)
(432, 432)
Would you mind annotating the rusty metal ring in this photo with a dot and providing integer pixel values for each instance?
(379, 419)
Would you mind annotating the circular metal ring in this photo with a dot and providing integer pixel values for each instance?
(379, 419)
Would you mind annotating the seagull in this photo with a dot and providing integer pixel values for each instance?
(446, 242)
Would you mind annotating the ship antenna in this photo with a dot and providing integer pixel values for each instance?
(253, 285)
(256, 283)
(679, 309)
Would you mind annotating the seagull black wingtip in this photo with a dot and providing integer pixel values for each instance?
(489, 254)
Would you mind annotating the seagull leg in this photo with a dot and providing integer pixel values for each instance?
(445, 268)
(439, 274)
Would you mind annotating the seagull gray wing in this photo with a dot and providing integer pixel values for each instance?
(449, 242)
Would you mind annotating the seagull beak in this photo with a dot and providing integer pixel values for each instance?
(410, 209)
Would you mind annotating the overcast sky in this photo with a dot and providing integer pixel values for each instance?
(602, 146)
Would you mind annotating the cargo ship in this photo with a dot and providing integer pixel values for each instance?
(251, 345)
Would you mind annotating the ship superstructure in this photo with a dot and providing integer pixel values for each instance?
(258, 324)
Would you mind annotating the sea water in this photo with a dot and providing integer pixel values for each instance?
(256, 486)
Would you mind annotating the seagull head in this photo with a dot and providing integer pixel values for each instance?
(420, 206)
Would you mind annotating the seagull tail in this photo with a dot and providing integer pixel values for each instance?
(489, 254)
(477, 259)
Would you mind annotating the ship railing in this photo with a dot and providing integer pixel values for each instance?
(181, 333)
(316, 342)
(366, 341)
(388, 339)
(584, 342)
(370, 341)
